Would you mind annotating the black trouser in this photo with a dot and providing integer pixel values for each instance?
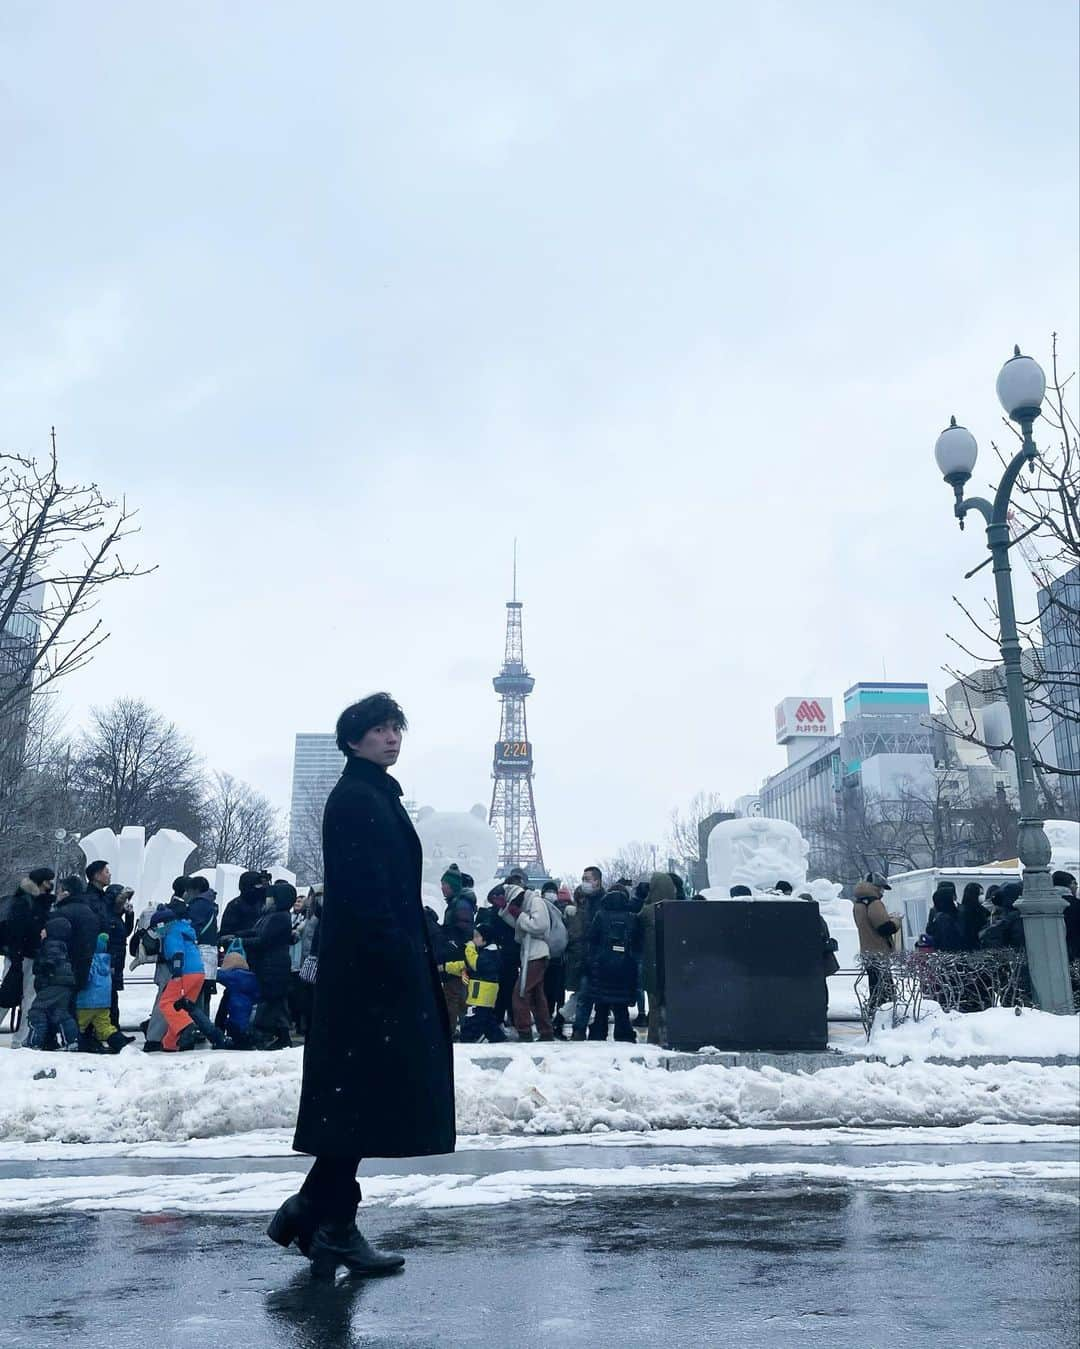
(481, 1023)
(507, 979)
(272, 1019)
(621, 1013)
(299, 1005)
(331, 1188)
(555, 990)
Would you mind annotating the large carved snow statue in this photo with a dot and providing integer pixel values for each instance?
(758, 852)
(147, 868)
(1064, 836)
(464, 838)
(755, 852)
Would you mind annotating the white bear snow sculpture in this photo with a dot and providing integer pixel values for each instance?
(464, 838)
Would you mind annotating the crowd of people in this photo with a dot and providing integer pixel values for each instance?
(551, 963)
(67, 943)
(559, 964)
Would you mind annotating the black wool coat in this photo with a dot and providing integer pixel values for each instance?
(85, 926)
(614, 947)
(378, 1062)
(268, 951)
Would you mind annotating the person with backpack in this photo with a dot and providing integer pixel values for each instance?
(615, 940)
(22, 918)
(203, 916)
(530, 918)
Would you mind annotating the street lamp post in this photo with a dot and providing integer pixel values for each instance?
(1020, 387)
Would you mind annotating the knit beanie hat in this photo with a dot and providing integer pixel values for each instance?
(1008, 894)
(452, 877)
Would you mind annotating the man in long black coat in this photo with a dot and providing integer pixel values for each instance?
(378, 1061)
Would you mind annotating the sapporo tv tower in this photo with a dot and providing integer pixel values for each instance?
(513, 807)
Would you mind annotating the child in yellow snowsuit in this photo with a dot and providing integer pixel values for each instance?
(480, 969)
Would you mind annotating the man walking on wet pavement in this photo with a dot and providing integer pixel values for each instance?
(378, 1063)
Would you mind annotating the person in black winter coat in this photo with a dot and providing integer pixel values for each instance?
(509, 952)
(242, 913)
(973, 916)
(456, 932)
(24, 915)
(378, 1065)
(1006, 926)
(267, 948)
(85, 923)
(614, 950)
(54, 984)
(119, 918)
(1065, 884)
(944, 927)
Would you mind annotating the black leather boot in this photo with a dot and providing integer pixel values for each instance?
(295, 1220)
(340, 1243)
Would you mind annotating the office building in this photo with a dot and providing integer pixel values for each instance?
(19, 637)
(1059, 610)
(883, 751)
(317, 765)
(977, 705)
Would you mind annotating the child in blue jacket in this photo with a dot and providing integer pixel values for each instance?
(94, 999)
(241, 994)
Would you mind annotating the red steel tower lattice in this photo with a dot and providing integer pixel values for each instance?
(513, 806)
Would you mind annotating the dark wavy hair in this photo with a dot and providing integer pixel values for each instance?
(377, 709)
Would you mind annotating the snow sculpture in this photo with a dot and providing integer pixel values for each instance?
(146, 868)
(464, 838)
(149, 869)
(1064, 836)
(756, 852)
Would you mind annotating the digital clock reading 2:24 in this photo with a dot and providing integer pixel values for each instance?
(515, 753)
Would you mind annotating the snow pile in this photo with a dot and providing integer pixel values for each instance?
(141, 1098)
(584, 1094)
(960, 1035)
(584, 1089)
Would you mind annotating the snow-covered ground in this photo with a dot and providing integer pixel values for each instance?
(263, 1191)
(543, 1090)
(959, 1035)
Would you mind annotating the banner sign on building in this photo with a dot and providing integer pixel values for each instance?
(810, 717)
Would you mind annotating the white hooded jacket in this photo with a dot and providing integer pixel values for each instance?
(533, 923)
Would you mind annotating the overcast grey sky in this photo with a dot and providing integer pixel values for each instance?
(346, 296)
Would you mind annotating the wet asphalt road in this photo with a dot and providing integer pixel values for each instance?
(774, 1265)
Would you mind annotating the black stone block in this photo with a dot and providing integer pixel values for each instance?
(742, 974)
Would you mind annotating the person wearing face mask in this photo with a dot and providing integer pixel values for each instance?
(592, 892)
(268, 949)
